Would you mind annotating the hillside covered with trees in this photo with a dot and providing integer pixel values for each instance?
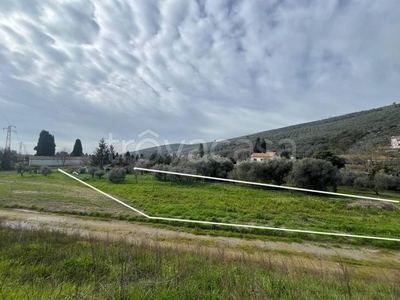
(341, 135)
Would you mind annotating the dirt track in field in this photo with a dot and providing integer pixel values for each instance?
(366, 260)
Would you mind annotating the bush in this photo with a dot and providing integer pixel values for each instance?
(246, 171)
(273, 170)
(379, 182)
(117, 174)
(28, 169)
(316, 174)
(215, 168)
(92, 171)
(99, 173)
(363, 182)
(20, 167)
(349, 177)
(44, 170)
(74, 169)
(278, 169)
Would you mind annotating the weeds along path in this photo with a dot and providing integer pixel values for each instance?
(384, 264)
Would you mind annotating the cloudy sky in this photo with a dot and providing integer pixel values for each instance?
(190, 69)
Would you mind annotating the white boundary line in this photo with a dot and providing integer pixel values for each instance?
(105, 194)
(267, 185)
(228, 224)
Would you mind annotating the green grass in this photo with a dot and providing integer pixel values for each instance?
(52, 193)
(53, 265)
(240, 204)
(209, 201)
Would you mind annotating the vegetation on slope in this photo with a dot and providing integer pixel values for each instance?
(339, 134)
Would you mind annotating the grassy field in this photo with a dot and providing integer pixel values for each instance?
(209, 201)
(35, 264)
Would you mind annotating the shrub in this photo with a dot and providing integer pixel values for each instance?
(349, 177)
(215, 168)
(74, 169)
(92, 171)
(28, 169)
(20, 167)
(278, 169)
(247, 171)
(44, 170)
(99, 173)
(317, 174)
(379, 182)
(117, 174)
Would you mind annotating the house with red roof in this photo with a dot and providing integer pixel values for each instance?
(261, 157)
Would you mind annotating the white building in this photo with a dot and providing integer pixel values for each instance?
(395, 142)
(260, 157)
(54, 161)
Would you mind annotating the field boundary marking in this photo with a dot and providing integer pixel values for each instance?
(267, 185)
(229, 224)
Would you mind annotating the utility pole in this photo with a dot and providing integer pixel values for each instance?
(20, 147)
(8, 139)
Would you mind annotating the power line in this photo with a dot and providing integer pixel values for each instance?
(3, 116)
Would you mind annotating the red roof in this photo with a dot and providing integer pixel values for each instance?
(267, 154)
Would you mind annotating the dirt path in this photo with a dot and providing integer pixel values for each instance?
(383, 264)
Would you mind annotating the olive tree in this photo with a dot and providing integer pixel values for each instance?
(99, 173)
(316, 174)
(44, 170)
(117, 174)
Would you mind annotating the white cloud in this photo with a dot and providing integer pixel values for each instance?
(206, 69)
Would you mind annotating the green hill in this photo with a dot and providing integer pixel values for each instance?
(338, 134)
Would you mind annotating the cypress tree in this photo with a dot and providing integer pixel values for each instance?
(78, 150)
(46, 145)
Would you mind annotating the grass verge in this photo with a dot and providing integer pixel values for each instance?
(36, 264)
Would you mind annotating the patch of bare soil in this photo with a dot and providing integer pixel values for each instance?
(382, 264)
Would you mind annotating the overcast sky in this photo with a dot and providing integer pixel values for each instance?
(190, 69)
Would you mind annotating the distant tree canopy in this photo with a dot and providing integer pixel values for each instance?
(333, 159)
(275, 171)
(46, 145)
(78, 150)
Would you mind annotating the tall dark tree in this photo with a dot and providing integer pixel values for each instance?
(201, 150)
(6, 160)
(78, 150)
(100, 155)
(257, 146)
(111, 153)
(263, 146)
(46, 145)
(128, 157)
